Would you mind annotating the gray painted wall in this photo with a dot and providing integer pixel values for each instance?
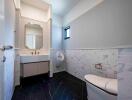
(107, 25)
(56, 32)
(56, 37)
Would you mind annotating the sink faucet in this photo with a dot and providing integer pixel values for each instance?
(32, 53)
(35, 52)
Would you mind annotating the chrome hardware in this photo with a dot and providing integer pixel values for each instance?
(32, 53)
(4, 59)
(6, 48)
(99, 66)
(1, 48)
(35, 52)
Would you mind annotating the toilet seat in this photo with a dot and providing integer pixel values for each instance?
(106, 84)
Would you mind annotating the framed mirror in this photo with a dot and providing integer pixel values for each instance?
(33, 36)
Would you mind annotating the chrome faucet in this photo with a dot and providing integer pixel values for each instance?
(32, 53)
(35, 52)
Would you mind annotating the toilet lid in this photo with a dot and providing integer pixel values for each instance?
(107, 84)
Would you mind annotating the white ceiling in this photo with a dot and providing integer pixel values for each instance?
(37, 3)
(62, 7)
(59, 7)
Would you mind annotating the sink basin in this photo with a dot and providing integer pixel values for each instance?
(24, 58)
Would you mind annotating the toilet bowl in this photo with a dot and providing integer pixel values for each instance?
(59, 58)
(100, 88)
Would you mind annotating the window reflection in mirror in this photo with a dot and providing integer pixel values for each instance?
(33, 36)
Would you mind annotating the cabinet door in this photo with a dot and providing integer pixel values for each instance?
(30, 69)
(43, 67)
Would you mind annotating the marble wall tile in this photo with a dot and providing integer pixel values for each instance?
(125, 74)
(82, 62)
(57, 65)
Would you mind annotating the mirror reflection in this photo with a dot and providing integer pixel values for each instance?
(33, 36)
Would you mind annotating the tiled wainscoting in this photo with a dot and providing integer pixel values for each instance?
(125, 74)
(82, 62)
(57, 65)
(17, 68)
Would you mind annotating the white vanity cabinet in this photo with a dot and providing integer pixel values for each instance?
(35, 68)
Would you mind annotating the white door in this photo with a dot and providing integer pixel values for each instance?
(1, 63)
(1, 52)
(7, 27)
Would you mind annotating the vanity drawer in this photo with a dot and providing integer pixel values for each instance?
(43, 67)
(31, 69)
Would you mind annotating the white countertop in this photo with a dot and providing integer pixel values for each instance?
(24, 58)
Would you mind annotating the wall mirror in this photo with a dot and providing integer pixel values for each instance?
(33, 36)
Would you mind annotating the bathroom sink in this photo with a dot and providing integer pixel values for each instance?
(27, 58)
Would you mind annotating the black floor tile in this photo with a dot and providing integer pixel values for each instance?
(62, 86)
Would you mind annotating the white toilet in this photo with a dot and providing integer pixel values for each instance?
(59, 58)
(100, 88)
